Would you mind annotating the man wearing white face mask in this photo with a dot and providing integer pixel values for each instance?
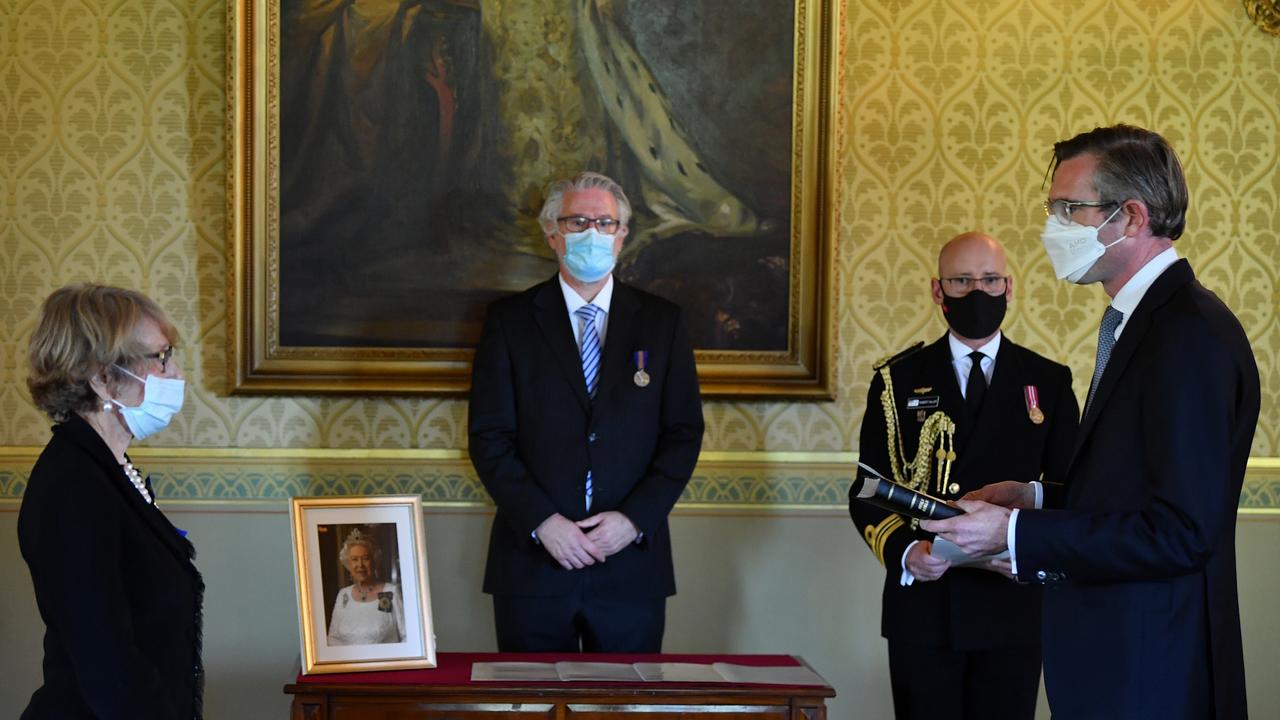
(1141, 618)
(585, 425)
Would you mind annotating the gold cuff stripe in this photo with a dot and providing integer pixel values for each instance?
(877, 535)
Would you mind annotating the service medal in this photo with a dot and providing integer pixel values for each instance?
(641, 377)
(1032, 397)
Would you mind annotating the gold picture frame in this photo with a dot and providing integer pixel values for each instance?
(346, 546)
(268, 354)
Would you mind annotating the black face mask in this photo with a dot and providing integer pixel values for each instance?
(976, 315)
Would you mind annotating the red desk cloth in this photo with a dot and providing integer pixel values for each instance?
(455, 668)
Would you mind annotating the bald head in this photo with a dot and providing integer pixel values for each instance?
(973, 254)
(972, 287)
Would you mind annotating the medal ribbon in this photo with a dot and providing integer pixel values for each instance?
(1033, 398)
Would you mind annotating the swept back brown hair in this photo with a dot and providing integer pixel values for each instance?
(1134, 163)
(84, 330)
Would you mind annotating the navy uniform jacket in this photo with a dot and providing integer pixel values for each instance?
(534, 433)
(118, 593)
(967, 608)
(1142, 617)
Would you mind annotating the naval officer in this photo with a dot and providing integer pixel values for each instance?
(964, 642)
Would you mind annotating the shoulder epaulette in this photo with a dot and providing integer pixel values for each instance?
(891, 359)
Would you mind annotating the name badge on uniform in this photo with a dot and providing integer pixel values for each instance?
(641, 377)
(923, 403)
(1032, 397)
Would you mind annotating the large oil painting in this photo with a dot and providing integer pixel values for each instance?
(389, 159)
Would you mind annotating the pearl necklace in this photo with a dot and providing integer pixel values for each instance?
(139, 484)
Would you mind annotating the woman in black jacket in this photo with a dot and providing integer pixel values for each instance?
(114, 580)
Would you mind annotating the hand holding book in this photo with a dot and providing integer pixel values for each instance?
(877, 490)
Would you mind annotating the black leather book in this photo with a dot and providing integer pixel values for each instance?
(896, 498)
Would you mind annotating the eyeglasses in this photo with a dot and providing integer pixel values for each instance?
(1062, 209)
(163, 356)
(578, 223)
(990, 284)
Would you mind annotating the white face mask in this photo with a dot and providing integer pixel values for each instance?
(161, 399)
(1074, 248)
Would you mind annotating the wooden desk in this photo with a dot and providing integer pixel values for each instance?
(447, 693)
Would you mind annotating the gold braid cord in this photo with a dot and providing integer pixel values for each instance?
(937, 442)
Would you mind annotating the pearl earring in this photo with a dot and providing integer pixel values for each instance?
(106, 406)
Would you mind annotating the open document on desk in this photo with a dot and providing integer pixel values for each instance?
(642, 672)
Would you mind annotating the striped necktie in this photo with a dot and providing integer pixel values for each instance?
(590, 347)
(590, 364)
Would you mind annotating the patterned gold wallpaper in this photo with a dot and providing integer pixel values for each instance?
(111, 169)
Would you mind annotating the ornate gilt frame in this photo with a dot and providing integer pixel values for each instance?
(259, 364)
(1265, 14)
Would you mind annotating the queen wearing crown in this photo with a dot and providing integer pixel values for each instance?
(369, 610)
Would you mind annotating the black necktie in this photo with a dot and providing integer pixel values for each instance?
(977, 386)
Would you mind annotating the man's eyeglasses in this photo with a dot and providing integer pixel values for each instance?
(990, 284)
(163, 356)
(579, 223)
(1062, 209)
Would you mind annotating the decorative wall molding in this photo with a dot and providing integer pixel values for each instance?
(722, 481)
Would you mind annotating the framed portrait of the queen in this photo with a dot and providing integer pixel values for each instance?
(364, 602)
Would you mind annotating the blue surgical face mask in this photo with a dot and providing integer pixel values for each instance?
(588, 255)
(161, 399)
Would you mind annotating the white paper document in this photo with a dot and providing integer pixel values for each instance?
(553, 672)
(597, 672)
(514, 671)
(947, 550)
(642, 672)
(791, 675)
(678, 672)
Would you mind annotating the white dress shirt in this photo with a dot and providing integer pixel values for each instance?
(573, 301)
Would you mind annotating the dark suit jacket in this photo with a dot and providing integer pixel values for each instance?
(966, 609)
(118, 593)
(1143, 619)
(534, 434)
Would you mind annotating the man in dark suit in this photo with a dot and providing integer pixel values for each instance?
(585, 425)
(964, 642)
(1141, 618)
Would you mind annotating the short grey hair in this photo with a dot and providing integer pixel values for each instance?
(585, 180)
